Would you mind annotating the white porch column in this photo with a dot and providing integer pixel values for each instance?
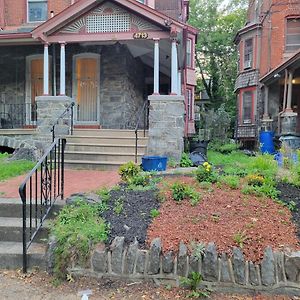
(179, 83)
(174, 68)
(266, 103)
(62, 69)
(289, 92)
(156, 67)
(46, 70)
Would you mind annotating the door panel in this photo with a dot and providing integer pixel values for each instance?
(87, 83)
(36, 80)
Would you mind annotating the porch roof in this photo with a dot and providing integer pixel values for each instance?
(291, 63)
(82, 7)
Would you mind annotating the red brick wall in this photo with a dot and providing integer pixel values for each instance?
(15, 11)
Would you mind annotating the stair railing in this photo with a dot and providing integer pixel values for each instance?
(142, 112)
(69, 110)
(39, 191)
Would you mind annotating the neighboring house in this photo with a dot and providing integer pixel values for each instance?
(268, 83)
(109, 56)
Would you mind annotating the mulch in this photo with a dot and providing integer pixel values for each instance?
(221, 215)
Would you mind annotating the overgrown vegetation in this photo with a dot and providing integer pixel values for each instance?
(77, 229)
(185, 161)
(192, 282)
(13, 168)
(181, 191)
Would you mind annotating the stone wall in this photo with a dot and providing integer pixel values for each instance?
(277, 272)
(166, 126)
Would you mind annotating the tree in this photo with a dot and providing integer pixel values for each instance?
(216, 54)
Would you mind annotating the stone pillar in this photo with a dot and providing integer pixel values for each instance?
(166, 126)
(49, 109)
(62, 69)
(156, 67)
(266, 103)
(174, 68)
(46, 70)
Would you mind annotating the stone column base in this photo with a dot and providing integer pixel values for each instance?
(166, 126)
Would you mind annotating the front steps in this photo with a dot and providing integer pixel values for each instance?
(103, 149)
(11, 253)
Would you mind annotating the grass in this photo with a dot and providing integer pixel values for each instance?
(9, 169)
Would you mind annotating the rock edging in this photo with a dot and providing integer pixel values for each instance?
(277, 271)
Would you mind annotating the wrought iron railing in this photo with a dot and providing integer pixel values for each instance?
(39, 191)
(143, 112)
(65, 119)
(16, 115)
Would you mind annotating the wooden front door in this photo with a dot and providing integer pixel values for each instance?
(86, 89)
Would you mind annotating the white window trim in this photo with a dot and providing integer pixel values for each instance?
(27, 9)
(189, 47)
(250, 61)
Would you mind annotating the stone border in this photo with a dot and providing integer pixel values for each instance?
(278, 272)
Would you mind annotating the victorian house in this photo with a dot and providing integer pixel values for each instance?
(109, 57)
(268, 82)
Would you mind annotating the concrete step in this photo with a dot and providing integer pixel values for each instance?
(106, 140)
(9, 132)
(94, 165)
(13, 208)
(11, 255)
(110, 148)
(101, 156)
(11, 230)
(109, 132)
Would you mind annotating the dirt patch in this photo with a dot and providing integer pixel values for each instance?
(226, 217)
(290, 193)
(129, 214)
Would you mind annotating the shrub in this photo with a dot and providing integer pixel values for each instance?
(140, 179)
(206, 173)
(181, 191)
(255, 180)
(129, 170)
(185, 161)
(154, 213)
(228, 148)
(264, 165)
(77, 228)
(232, 181)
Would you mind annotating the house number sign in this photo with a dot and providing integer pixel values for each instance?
(140, 35)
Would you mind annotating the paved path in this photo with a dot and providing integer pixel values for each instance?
(75, 181)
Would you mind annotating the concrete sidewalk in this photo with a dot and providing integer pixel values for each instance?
(75, 181)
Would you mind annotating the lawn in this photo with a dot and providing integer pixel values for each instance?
(12, 168)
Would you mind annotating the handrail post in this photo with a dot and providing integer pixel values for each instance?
(63, 142)
(72, 118)
(22, 192)
(136, 146)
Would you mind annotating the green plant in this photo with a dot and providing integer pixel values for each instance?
(239, 238)
(154, 213)
(292, 206)
(129, 170)
(77, 228)
(141, 179)
(181, 191)
(185, 161)
(228, 148)
(198, 249)
(263, 165)
(206, 173)
(119, 204)
(172, 163)
(231, 180)
(205, 185)
(192, 282)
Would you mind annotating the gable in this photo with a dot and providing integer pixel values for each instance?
(107, 18)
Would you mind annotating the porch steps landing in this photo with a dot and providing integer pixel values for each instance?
(11, 253)
(103, 149)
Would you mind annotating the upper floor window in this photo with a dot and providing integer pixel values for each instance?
(37, 10)
(248, 54)
(189, 53)
(142, 1)
(292, 42)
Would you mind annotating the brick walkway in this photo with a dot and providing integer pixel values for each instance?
(75, 181)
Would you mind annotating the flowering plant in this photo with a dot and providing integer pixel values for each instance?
(206, 173)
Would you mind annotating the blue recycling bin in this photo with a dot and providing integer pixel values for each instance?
(266, 142)
(154, 163)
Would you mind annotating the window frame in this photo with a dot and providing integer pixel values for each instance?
(28, 2)
(250, 120)
(189, 46)
(291, 18)
(189, 104)
(249, 53)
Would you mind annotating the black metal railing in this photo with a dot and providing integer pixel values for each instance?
(16, 115)
(39, 191)
(65, 120)
(143, 112)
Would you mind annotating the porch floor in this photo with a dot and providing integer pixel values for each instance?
(75, 181)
